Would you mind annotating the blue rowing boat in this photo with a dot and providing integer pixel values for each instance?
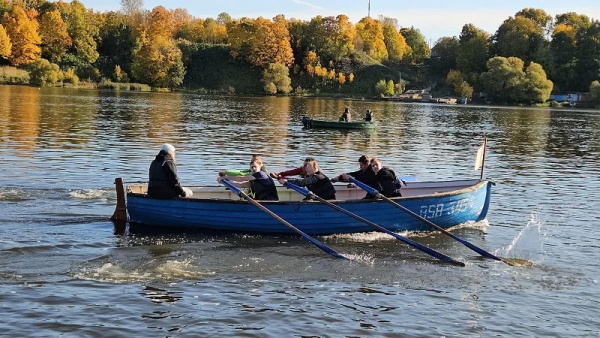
(445, 203)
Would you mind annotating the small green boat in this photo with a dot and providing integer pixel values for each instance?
(312, 123)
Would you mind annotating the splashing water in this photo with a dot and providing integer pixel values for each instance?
(528, 244)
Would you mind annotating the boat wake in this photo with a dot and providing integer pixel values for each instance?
(163, 272)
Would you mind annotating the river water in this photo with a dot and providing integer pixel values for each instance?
(65, 270)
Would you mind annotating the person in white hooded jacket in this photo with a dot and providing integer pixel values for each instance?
(163, 181)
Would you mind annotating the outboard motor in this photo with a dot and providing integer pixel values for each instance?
(307, 122)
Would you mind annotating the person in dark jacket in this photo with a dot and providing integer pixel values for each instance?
(262, 187)
(315, 181)
(387, 183)
(163, 181)
(346, 116)
(369, 116)
(365, 174)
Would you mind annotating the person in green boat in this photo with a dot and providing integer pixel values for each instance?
(369, 116)
(261, 186)
(346, 116)
(245, 172)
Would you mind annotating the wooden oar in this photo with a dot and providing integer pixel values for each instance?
(471, 246)
(416, 245)
(243, 195)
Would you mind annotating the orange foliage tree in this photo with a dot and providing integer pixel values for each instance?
(24, 37)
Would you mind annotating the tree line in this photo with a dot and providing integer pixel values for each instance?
(530, 55)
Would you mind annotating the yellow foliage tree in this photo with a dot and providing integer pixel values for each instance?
(23, 34)
(261, 42)
(159, 63)
(331, 74)
(214, 32)
(55, 38)
(371, 33)
(5, 44)
(160, 23)
(193, 31)
(395, 43)
(83, 28)
(181, 18)
(310, 61)
(341, 78)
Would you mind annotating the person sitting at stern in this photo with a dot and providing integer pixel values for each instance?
(163, 181)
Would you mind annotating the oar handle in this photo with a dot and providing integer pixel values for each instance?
(364, 187)
(301, 190)
(232, 187)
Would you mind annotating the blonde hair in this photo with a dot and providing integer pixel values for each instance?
(313, 163)
(376, 160)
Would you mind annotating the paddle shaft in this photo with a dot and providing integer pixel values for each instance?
(243, 195)
(412, 243)
(426, 221)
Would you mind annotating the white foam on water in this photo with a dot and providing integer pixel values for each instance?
(528, 245)
(167, 271)
(89, 194)
(13, 195)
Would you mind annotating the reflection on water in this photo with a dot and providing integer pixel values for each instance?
(63, 148)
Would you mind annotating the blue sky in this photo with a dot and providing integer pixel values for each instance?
(434, 18)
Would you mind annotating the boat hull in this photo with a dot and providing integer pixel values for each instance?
(446, 209)
(311, 123)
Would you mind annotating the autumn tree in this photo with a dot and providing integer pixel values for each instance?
(384, 88)
(261, 42)
(223, 18)
(193, 31)
(82, 26)
(461, 87)
(371, 33)
(42, 73)
(24, 37)
(55, 38)
(5, 44)
(133, 11)
(419, 50)
(160, 23)
(331, 37)
(395, 43)
(214, 32)
(276, 76)
(159, 63)
(181, 18)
